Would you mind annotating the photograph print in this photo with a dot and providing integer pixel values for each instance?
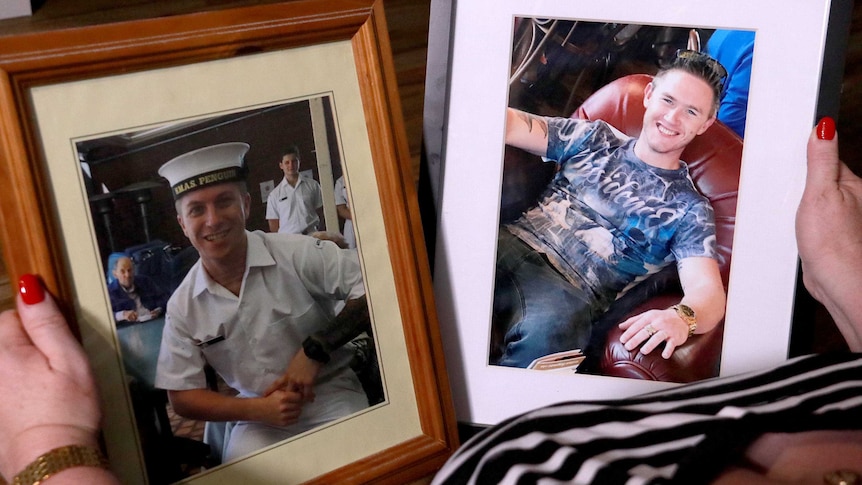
(618, 199)
(175, 204)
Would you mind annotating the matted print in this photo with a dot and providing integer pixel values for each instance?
(595, 62)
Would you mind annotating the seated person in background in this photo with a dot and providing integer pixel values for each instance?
(292, 205)
(134, 298)
(269, 312)
(800, 422)
(618, 210)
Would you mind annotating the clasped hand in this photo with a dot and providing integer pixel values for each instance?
(294, 388)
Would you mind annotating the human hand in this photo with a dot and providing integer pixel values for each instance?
(795, 457)
(829, 232)
(652, 328)
(50, 397)
(299, 377)
(335, 237)
(282, 407)
(130, 315)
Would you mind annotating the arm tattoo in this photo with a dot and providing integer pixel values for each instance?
(349, 323)
(529, 120)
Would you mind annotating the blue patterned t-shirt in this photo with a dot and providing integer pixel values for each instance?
(608, 219)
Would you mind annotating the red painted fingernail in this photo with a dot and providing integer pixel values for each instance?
(826, 128)
(31, 289)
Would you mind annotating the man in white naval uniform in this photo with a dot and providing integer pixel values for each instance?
(260, 309)
(292, 205)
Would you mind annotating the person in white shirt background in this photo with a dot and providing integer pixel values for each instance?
(292, 206)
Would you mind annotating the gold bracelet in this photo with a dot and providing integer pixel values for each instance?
(58, 460)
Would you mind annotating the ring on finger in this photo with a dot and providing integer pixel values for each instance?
(650, 330)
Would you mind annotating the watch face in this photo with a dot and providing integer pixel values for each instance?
(686, 310)
(686, 313)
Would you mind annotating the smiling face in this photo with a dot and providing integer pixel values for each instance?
(213, 218)
(679, 106)
(289, 165)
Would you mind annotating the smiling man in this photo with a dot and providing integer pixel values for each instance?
(617, 210)
(292, 206)
(269, 312)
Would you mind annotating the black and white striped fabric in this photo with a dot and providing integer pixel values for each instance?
(685, 435)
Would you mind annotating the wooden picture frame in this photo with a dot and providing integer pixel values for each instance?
(48, 229)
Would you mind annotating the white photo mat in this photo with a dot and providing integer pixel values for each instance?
(67, 112)
(790, 36)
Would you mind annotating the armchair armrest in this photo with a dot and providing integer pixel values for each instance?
(697, 359)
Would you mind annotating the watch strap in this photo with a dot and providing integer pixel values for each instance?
(57, 460)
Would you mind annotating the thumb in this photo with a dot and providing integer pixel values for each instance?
(824, 167)
(47, 328)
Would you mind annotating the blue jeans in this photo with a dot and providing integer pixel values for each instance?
(536, 310)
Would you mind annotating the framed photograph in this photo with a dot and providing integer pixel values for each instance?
(556, 60)
(91, 113)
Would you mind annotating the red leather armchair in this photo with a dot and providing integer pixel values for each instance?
(714, 161)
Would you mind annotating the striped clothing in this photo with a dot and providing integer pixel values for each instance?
(687, 435)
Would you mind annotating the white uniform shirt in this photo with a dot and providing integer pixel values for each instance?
(295, 207)
(341, 199)
(291, 286)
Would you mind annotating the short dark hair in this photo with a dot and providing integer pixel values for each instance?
(291, 150)
(700, 65)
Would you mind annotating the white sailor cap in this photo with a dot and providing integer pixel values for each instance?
(205, 166)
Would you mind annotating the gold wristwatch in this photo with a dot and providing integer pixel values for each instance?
(58, 460)
(687, 314)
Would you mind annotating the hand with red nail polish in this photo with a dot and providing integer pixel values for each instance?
(829, 233)
(48, 392)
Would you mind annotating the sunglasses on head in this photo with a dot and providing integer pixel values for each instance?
(696, 56)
